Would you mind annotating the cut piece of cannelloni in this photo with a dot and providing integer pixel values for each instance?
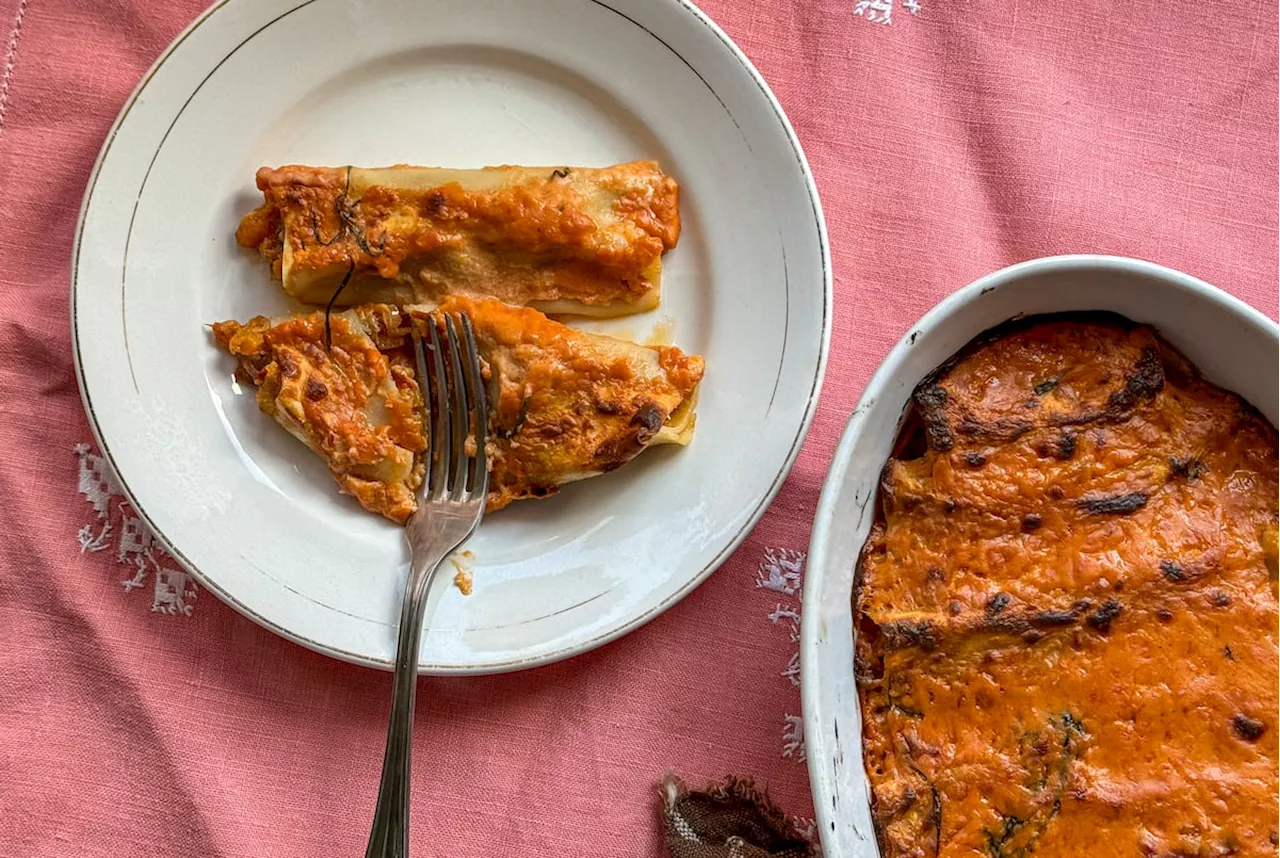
(564, 240)
(564, 404)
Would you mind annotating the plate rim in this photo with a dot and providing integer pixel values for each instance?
(695, 16)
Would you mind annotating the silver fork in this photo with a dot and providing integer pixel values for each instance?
(450, 506)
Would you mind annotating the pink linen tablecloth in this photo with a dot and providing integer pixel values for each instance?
(140, 716)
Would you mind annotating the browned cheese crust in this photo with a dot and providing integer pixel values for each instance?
(565, 240)
(354, 400)
(564, 404)
(1067, 612)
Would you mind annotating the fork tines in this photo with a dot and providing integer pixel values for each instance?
(457, 412)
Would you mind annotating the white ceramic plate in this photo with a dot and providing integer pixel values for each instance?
(1234, 346)
(249, 511)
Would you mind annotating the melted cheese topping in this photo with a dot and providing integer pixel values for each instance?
(564, 404)
(564, 240)
(356, 407)
(1067, 614)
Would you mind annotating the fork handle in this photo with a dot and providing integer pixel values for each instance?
(389, 837)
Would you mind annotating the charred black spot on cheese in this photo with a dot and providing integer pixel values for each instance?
(1106, 613)
(1143, 383)
(1219, 599)
(1004, 621)
(1228, 654)
(1173, 571)
(932, 402)
(998, 603)
(1033, 636)
(1066, 446)
(900, 634)
(316, 390)
(1249, 729)
(649, 418)
(1053, 618)
(1113, 504)
(1188, 468)
(954, 609)
(975, 460)
(999, 431)
(1047, 385)
(1056, 492)
(935, 575)
(435, 203)
(1031, 522)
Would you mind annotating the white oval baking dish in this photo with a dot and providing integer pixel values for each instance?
(1235, 347)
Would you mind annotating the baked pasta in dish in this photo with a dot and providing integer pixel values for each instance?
(1067, 610)
(564, 240)
(564, 404)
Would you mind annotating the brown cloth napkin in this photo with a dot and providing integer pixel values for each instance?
(731, 819)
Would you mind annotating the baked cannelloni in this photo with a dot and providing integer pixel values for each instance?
(564, 404)
(564, 240)
(1066, 610)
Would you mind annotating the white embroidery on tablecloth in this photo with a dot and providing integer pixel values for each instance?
(881, 11)
(875, 11)
(791, 616)
(173, 592)
(793, 669)
(782, 570)
(793, 738)
(90, 541)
